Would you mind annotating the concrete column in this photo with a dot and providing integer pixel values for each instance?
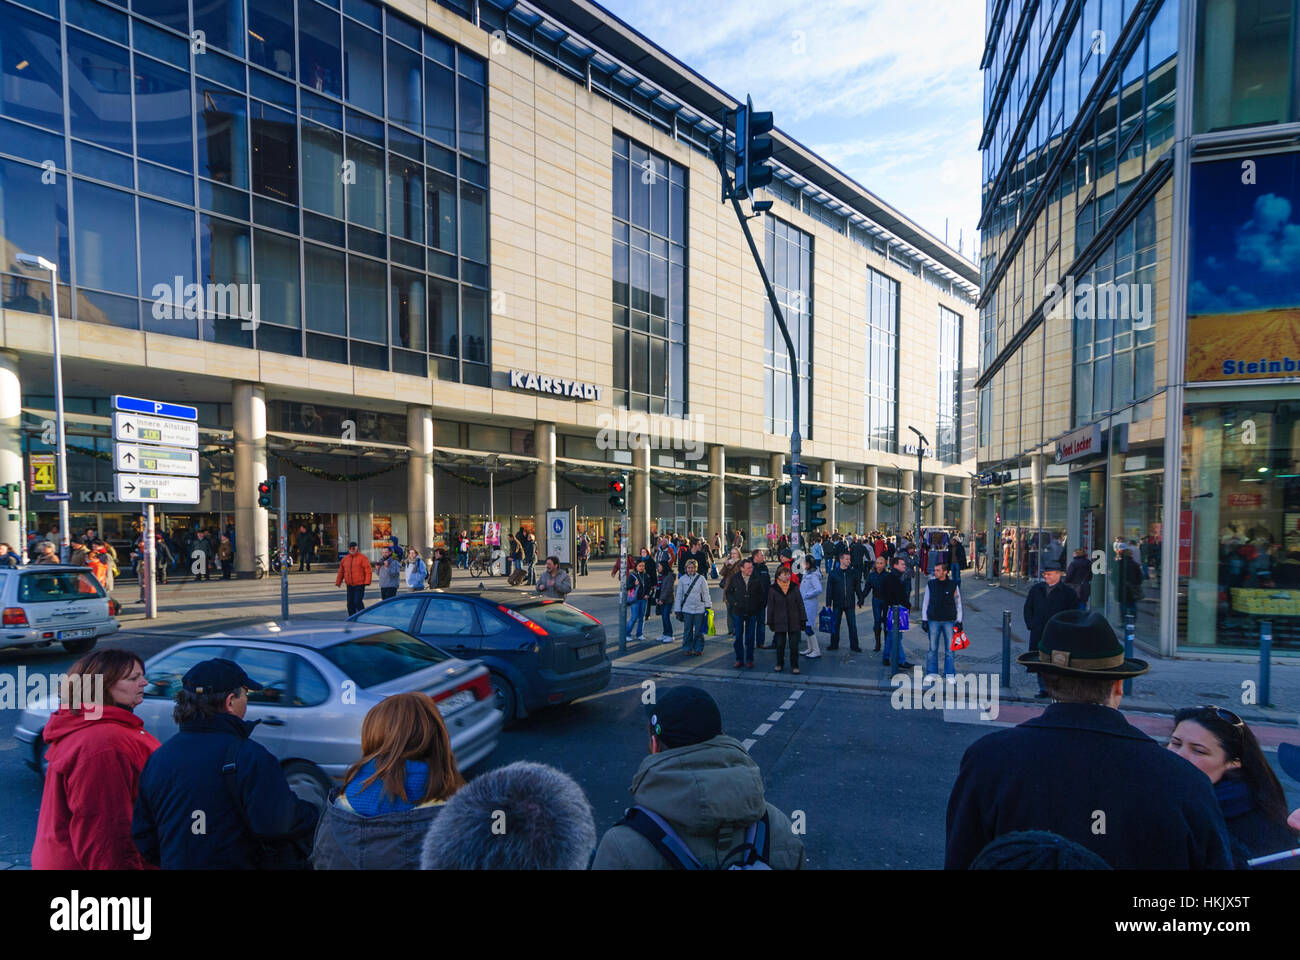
(776, 511)
(544, 479)
(639, 512)
(828, 481)
(717, 492)
(1037, 471)
(907, 518)
(871, 513)
(419, 481)
(967, 514)
(940, 493)
(251, 531)
(11, 448)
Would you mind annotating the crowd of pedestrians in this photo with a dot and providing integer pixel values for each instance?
(1033, 796)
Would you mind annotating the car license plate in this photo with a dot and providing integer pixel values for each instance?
(456, 701)
(588, 651)
(75, 634)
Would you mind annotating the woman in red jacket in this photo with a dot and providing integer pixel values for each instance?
(97, 748)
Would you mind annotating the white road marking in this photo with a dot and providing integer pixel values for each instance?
(775, 717)
(747, 744)
(762, 729)
(788, 705)
(796, 695)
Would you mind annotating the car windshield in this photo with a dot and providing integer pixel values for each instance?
(557, 617)
(64, 585)
(382, 657)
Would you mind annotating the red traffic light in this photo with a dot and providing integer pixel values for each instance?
(263, 488)
(616, 486)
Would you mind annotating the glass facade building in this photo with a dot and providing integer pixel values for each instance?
(1124, 231)
(334, 161)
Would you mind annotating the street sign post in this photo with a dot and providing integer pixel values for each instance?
(141, 458)
(152, 488)
(174, 411)
(138, 428)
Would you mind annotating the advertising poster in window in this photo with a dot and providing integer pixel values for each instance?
(1243, 304)
(381, 528)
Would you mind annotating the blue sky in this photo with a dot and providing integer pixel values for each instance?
(888, 90)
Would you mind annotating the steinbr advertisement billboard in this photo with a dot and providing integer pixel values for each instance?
(1243, 304)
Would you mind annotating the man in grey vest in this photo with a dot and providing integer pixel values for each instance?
(940, 615)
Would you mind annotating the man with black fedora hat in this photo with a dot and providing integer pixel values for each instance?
(698, 798)
(211, 797)
(1046, 599)
(1084, 772)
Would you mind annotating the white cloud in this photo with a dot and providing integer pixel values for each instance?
(1269, 239)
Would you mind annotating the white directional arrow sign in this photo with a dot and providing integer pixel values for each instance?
(138, 458)
(154, 489)
(138, 428)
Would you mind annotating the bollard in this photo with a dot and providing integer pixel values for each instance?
(1006, 649)
(1130, 631)
(1265, 660)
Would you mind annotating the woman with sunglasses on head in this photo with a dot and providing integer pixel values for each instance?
(1218, 743)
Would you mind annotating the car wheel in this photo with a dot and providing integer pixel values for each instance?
(505, 696)
(308, 782)
(79, 646)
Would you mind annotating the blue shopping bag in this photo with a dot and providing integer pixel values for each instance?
(899, 616)
(826, 620)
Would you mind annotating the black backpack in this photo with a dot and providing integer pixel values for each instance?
(753, 854)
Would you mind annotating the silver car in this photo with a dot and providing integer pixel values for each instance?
(319, 679)
(45, 604)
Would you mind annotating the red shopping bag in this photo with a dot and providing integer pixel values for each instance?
(959, 640)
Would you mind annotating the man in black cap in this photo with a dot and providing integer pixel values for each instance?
(1084, 772)
(698, 799)
(1047, 598)
(210, 797)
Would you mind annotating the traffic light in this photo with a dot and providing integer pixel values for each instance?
(753, 149)
(617, 492)
(815, 507)
(7, 498)
(783, 493)
(265, 489)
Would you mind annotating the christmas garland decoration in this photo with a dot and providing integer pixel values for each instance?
(850, 499)
(476, 482)
(686, 488)
(337, 477)
(568, 478)
(757, 491)
(889, 499)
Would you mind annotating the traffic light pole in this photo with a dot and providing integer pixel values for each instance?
(284, 549)
(149, 566)
(796, 440)
(622, 587)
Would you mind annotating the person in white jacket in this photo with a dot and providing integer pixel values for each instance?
(692, 602)
(810, 588)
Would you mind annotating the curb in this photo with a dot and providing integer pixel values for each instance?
(868, 686)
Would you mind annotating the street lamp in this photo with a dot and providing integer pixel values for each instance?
(922, 443)
(40, 263)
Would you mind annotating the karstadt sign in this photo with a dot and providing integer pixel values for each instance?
(557, 386)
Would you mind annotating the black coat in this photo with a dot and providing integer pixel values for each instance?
(746, 601)
(843, 590)
(1043, 604)
(858, 555)
(185, 775)
(894, 591)
(958, 556)
(1129, 576)
(1079, 576)
(785, 611)
(1066, 769)
(1252, 833)
(442, 573)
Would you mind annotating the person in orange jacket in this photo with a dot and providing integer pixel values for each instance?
(354, 569)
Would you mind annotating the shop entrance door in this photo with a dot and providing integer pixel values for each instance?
(1092, 531)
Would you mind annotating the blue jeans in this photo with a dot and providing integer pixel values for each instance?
(636, 618)
(668, 620)
(956, 574)
(852, 616)
(356, 599)
(745, 629)
(894, 639)
(877, 616)
(693, 632)
(941, 633)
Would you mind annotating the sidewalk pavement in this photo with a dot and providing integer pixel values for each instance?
(192, 609)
